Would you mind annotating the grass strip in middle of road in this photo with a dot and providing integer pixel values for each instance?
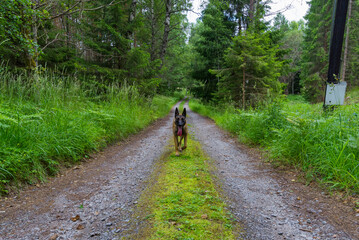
(184, 202)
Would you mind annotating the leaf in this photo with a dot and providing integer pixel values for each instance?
(76, 218)
(80, 227)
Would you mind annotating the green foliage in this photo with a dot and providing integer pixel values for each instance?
(352, 73)
(47, 121)
(210, 40)
(16, 19)
(315, 57)
(252, 70)
(324, 145)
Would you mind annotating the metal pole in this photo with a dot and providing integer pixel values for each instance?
(337, 38)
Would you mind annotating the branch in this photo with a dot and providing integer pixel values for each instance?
(68, 11)
(54, 40)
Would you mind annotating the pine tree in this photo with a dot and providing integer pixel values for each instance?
(252, 70)
(352, 73)
(214, 37)
(316, 49)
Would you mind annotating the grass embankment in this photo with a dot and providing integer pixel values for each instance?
(324, 145)
(184, 202)
(48, 121)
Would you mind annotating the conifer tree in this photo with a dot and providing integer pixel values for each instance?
(252, 70)
(316, 49)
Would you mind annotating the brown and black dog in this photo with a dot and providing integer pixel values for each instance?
(180, 130)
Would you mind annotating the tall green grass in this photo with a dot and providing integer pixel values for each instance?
(48, 120)
(325, 145)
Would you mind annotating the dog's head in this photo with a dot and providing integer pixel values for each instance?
(180, 121)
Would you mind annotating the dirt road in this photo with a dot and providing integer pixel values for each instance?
(96, 199)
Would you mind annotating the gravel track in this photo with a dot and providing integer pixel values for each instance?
(97, 199)
(264, 201)
(102, 192)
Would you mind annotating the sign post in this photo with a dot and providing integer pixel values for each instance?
(335, 90)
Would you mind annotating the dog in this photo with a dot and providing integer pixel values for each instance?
(179, 128)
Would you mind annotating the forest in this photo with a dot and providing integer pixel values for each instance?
(70, 68)
(232, 54)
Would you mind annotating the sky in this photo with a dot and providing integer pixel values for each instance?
(293, 10)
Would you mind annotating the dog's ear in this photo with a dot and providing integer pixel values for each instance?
(176, 112)
(184, 112)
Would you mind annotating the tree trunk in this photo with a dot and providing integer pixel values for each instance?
(251, 11)
(166, 30)
(153, 32)
(131, 18)
(244, 89)
(346, 42)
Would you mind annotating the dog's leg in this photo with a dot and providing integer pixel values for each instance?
(180, 144)
(185, 142)
(176, 145)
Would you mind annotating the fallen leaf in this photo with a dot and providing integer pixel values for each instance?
(96, 213)
(80, 227)
(173, 223)
(54, 237)
(76, 218)
(293, 180)
(298, 198)
(204, 216)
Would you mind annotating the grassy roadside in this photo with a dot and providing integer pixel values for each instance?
(184, 203)
(51, 121)
(323, 145)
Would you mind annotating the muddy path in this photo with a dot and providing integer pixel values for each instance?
(96, 200)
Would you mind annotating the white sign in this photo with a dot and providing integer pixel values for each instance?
(335, 93)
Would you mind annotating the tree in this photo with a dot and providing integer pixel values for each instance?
(252, 70)
(316, 49)
(351, 70)
(289, 36)
(214, 37)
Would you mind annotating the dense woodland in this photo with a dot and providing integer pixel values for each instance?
(232, 54)
(79, 74)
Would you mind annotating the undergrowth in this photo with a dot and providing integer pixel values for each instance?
(325, 145)
(47, 121)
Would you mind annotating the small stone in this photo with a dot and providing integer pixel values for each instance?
(94, 234)
(109, 224)
(280, 233)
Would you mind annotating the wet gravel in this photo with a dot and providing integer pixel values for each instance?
(265, 208)
(97, 199)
